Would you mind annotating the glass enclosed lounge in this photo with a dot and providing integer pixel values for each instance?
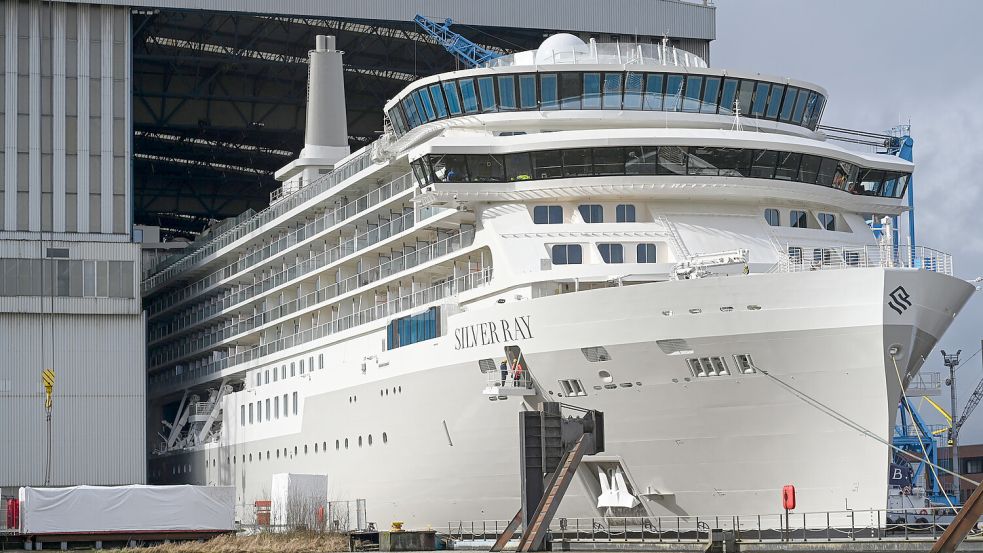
(607, 90)
(661, 160)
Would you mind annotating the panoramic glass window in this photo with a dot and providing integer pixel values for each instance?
(645, 253)
(567, 254)
(798, 219)
(625, 213)
(591, 213)
(612, 253)
(693, 161)
(547, 214)
(611, 90)
(771, 215)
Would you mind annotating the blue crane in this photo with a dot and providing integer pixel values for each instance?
(467, 52)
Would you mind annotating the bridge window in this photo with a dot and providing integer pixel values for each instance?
(567, 254)
(641, 160)
(788, 165)
(609, 161)
(775, 101)
(771, 215)
(798, 219)
(674, 92)
(827, 221)
(787, 103)
(645, 253)
(624, 213)
(800, 106)
(809, 169)
(413, 328)
(486, 168)
(486, 93)
(727, 95)
(577, 163)
(547, 214)
(427, 104)
(592, 213)
(548, 164)
(612, 253)
(869, 183)
(518, 167)
(672, 160)
(763, 164)
(760, 100)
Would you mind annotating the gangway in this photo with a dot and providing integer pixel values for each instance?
(551, 448)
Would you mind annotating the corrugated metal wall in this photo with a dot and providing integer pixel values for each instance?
(99, 413)
(65, 145)
(643, 17)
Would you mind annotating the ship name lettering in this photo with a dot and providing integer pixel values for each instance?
(493, 332)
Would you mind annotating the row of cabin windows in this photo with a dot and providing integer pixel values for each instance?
(800, 219)
(273, 409)
(621, 90)
(573, 254)
(263, 377)
(591, 213)
(701, 161)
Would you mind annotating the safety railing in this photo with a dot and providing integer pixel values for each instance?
(803, 258)
(508, 379)
(409, 301)
(168, 269)
(160, 356)
(925, 524)
(319, 224)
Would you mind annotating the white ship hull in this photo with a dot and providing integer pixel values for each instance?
(690, 446)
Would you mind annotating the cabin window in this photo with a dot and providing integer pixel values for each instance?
(609, 161)
(798, 219)
(295, 402)
(486, 168)
(809, 169)
(827, 221)
(250, 413)
(645, 253)
(548, 91)
(518, 167)
(772, 216)
(276, 407)
(611, 95)
(641, 160)
(625, 213)
(242, 415)
(653, 92)
(567, 254)
(577, 163)
(592, 213)
(788, 165)
(795, 254)
(592, 91)
(547, 214)
(547, 164)
(571, 90)
(633, 91)
(286, 404)
(612, 253)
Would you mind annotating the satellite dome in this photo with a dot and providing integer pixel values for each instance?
(560, 45)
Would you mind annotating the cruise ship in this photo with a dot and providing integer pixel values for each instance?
(677, 246)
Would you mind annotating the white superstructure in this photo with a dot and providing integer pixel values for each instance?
(692, 273)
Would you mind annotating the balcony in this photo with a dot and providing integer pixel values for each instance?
(804, 258)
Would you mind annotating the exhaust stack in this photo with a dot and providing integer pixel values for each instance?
(326, 129)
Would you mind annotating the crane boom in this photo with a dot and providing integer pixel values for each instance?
(971, 404)
(467, 52)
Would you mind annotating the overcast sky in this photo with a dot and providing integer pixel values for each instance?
(883, 61)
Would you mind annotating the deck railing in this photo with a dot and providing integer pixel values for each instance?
(326, 292)
(803, 258)
(319, 224)
(409, 301)
(170, 268)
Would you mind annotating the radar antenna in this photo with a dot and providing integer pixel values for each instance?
(737, 117)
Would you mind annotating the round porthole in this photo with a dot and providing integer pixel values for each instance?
(605, 377)
(385, 438)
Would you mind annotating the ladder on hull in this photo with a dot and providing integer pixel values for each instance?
(539, 521)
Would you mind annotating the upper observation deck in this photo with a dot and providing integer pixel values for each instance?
(566, 74)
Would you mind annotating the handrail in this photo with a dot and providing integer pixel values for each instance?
(185, 259)
(804, 258)
(410, 301)
(318, 224)
(328, 291)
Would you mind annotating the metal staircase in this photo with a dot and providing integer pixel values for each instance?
(532, 538)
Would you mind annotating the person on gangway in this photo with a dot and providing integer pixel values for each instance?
(517, 373)
(504, 367)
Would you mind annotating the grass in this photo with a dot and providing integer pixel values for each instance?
(265, 542)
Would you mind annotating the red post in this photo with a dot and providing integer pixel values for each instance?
(788, 502)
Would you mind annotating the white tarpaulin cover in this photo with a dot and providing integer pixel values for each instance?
(138, 508)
